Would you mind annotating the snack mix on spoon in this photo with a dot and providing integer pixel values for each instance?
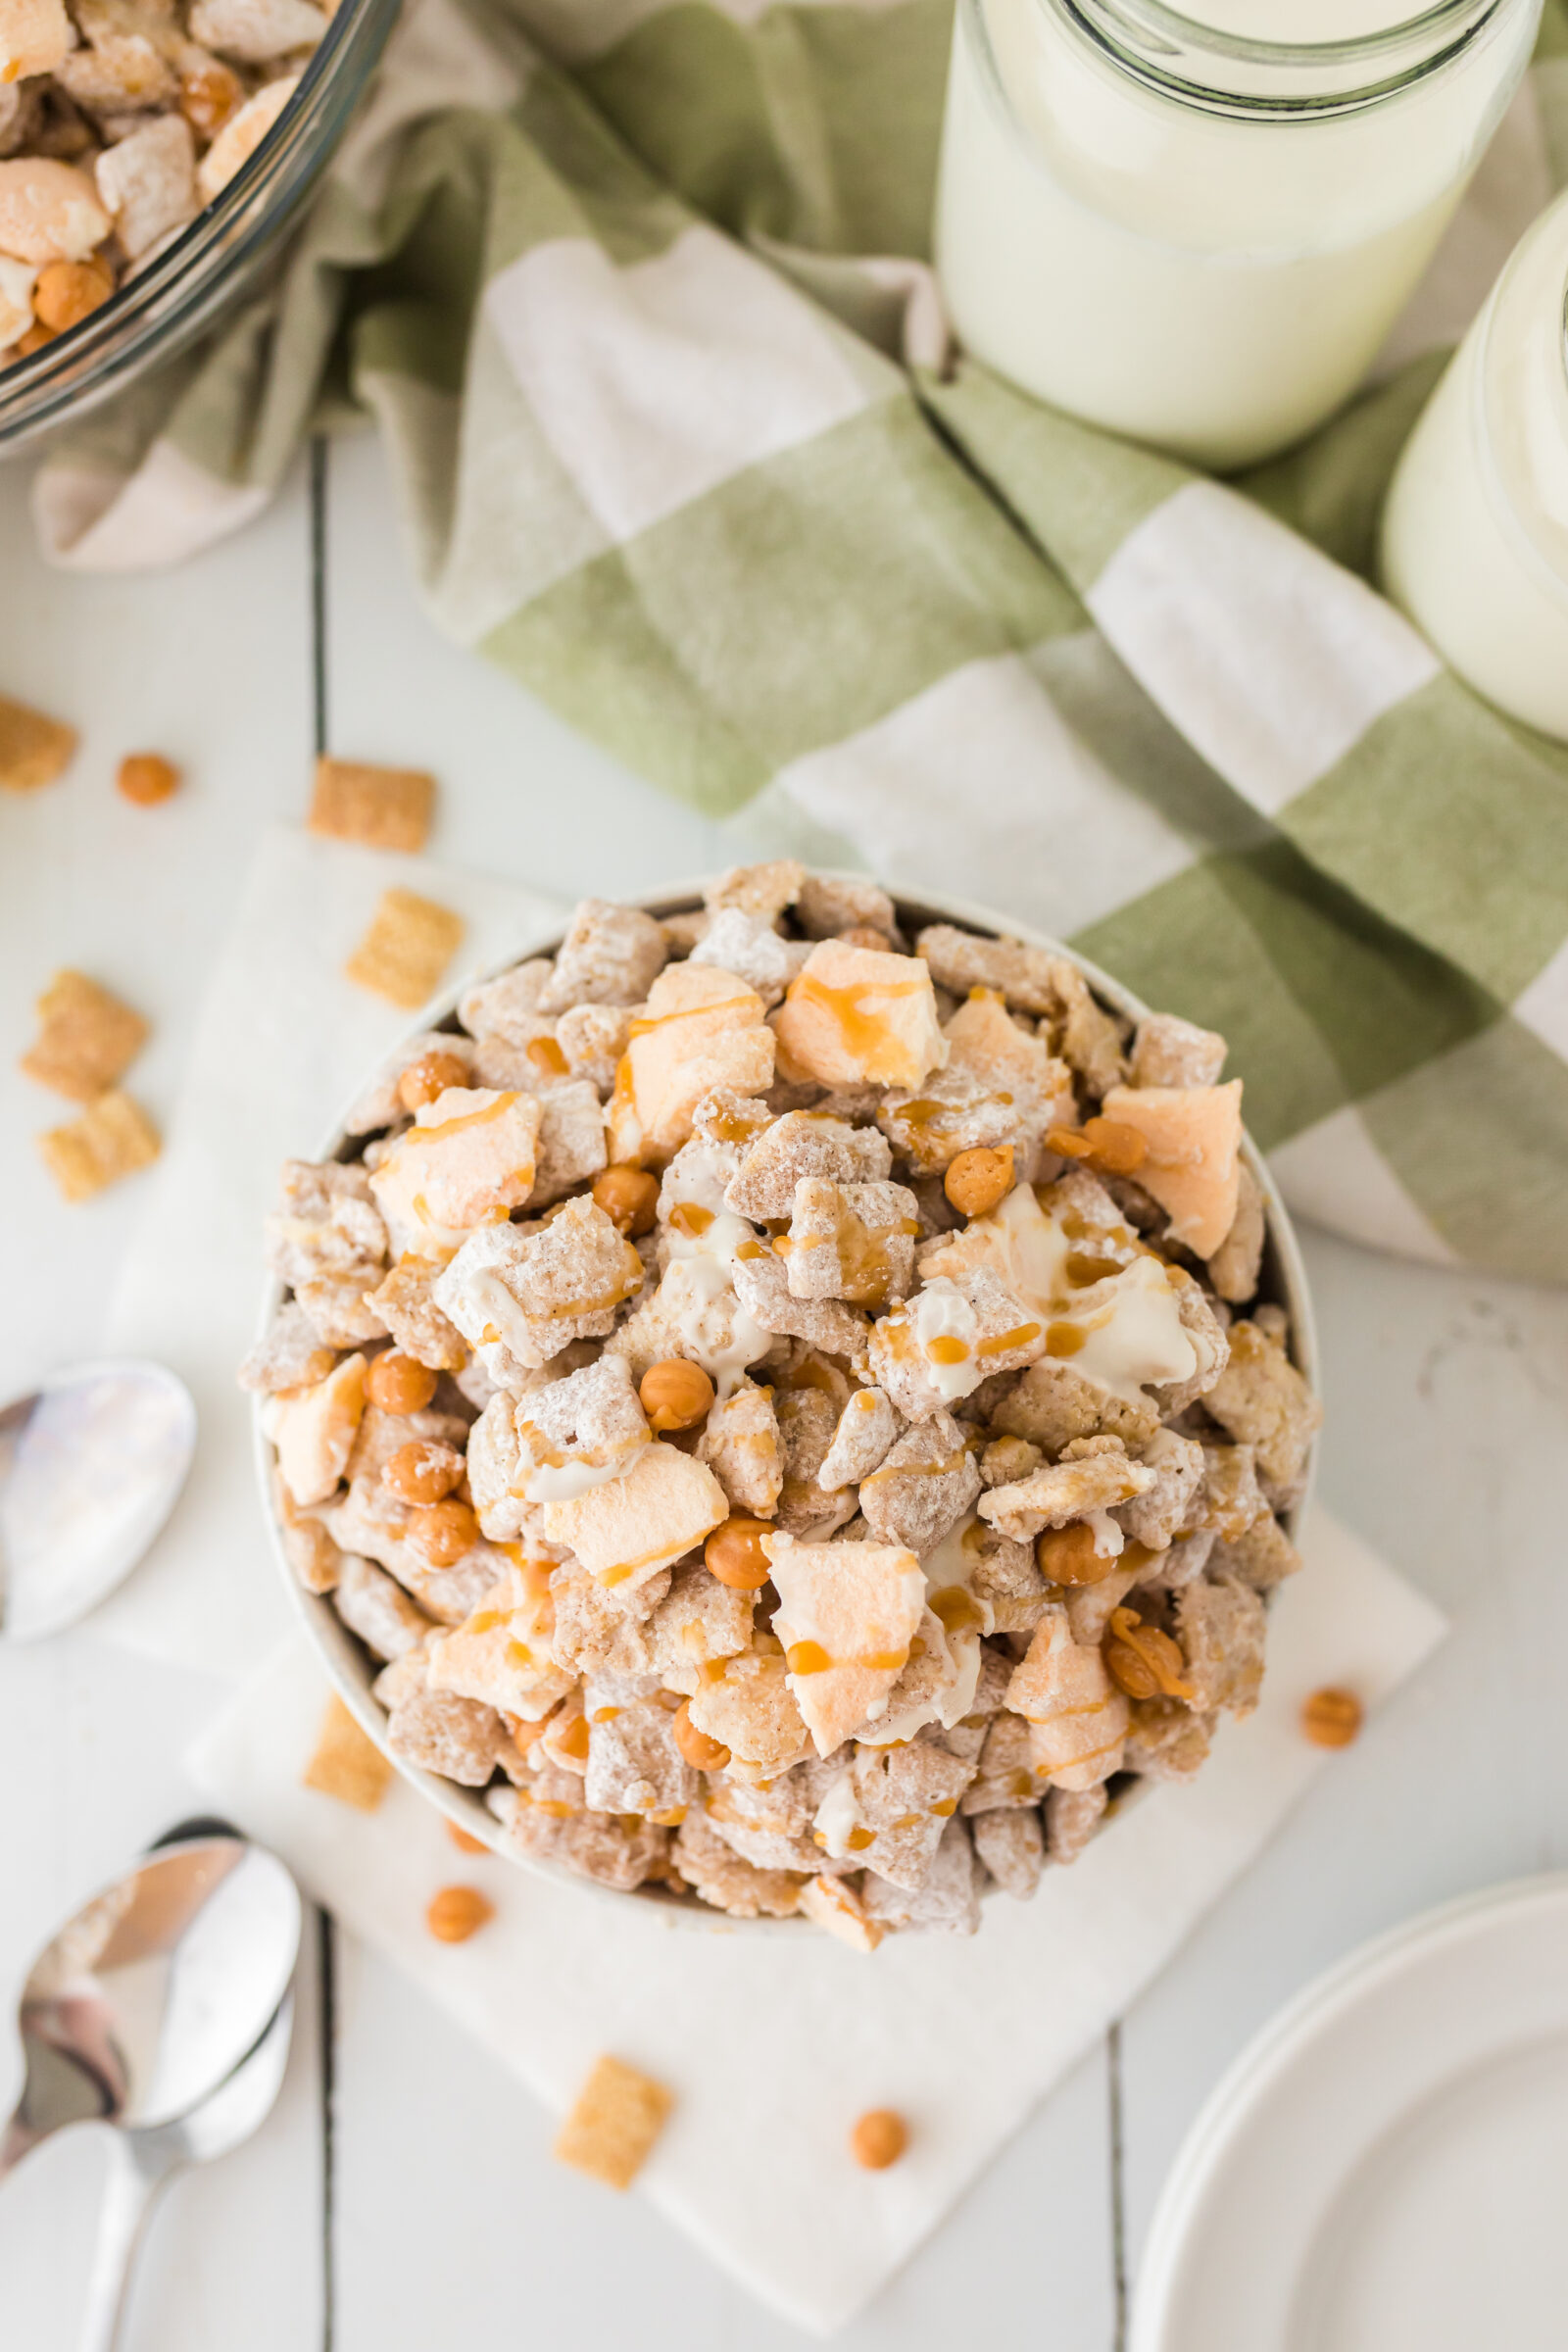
(120, 120)
(789, 1410)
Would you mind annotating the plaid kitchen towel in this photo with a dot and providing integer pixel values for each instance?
(636, 290)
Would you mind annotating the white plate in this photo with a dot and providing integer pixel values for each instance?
(1386, 2168)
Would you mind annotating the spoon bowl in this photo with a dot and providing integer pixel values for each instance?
(91, 1464)
(146, 2002)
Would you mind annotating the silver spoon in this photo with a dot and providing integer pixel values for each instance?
(142, 2163)
(149, 1998)
(91, 1464)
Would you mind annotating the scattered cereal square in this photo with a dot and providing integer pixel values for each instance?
(407, 949)
(111, 1139)
(383, 808)
(34, 749)
(618, 2115)
(87, 1039)
(346, 1764)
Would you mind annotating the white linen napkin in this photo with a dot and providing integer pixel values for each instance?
(284, 1043)
(961, 2036)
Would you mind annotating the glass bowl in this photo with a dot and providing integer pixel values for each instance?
(213, 263)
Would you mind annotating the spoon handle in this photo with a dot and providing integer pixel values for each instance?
(128, 2196)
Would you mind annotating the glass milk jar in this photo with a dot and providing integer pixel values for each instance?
(1200, 234)
(1475, 530)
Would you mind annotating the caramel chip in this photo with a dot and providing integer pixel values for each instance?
(347, 1764)
(383, 808)
(407, 949)
(111, 1139)
(34, 749)
(618, 2117)
(86, 1038)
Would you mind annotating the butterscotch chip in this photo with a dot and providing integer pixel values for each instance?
(457, 1912)
(1331, 1718)
(407, 949)
(110, 1140)
(146, 778)
(618, 2117)
(346, 1764)
(879, 2139)
(33, 749)
(86, 1038)
(382, 807)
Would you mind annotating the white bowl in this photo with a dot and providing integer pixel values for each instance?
(1284, 1279)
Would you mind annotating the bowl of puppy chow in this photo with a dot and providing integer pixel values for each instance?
(790, 1402)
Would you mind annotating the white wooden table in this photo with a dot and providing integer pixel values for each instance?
(403, 2195)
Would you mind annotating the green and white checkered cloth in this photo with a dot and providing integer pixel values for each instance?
(636, 291)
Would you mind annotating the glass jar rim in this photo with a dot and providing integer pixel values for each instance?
(1235, 73)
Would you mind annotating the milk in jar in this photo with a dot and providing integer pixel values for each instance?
(1199, 234)
(1475, 529)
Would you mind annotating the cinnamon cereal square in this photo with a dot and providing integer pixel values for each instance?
(344, 1763)
(381, 808)
(111, 1139)
(408, 947)
(87, 1039)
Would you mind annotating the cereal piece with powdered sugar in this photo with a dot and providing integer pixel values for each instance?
(947, 1903)
(698, 1621)
(853, 1241)
(324, 1224)
(519, 1297)
(290, 1355)
(1262, 1399)
(1077, 1717)
(1008, 1460)
(1052, 1404)
(749, 1708)
(458, 1738)
(1229, 1499)
(702, 1029)
(724, 1116)
(867, 1431)
(1165, 1507)
(1027, 977)
(593, 1037)
(375, 1605)
(1237, 1262)
(1006, 1777)
(506, 1009)
(1090, 1038)
(1006, 1579)
(312, 1554)
(999, 1087)
(717, 1874)
(1076, 1487)
(468, 1160)
(740, 1444)
(904, 1797)
(1166, 1741)
(948, 1338)
(747, 945)
(610, 956)
(923, 1488)
(1090, 1606)
(1262, 1555)
(633, 1763)
(1072, 1816)
(806, 1417)
(405, 1303)
(339, 1305)
(313, 1431)
(1170, 1052)
(380, 1105)
(856, 1017)
(763, 1289)
(571, 1141)
(756, 1841)
(615, 1853)
(593, 1623)
(803, 1144)
(763, 891)
(577, 1434)
(847, 1614)
(1221, 1627)
(832, 904)
(1012, 1848)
